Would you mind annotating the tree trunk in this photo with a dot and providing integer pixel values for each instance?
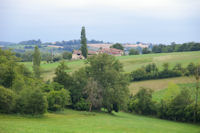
(90, 109)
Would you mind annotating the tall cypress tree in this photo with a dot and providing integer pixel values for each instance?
(84, 49)
(36, 62)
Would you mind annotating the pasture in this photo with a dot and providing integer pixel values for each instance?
(70, 121)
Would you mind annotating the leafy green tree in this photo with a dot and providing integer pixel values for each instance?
(94, 92)
(36, 62)
(142, 102)
(78, 96)
(61, 75)
(197, 77)
(31, 101)
(191, 68)
(67, 55)
(107, 71)
(133, 52)
(18, 83)
(57, 100)
(118, 46)
(145, 51)
(84, 48)
(7, 67)
(7, 100)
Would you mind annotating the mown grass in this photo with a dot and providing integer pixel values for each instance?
(70, 121)
(130, 63)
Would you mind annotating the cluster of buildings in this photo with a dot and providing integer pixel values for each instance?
(110, 51)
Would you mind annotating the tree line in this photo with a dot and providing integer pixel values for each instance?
(191, 46)
(48, 57)
(151, 71)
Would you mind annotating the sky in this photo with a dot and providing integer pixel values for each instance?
(124, 21)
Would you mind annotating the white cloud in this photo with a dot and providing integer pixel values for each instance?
(164, 9)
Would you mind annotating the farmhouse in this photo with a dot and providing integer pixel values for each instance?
(111, 51)
(77, 54)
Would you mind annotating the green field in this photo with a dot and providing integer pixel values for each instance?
(159, 84)
(70, 121)
(130, 62)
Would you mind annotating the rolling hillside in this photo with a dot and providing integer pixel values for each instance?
(130, 63)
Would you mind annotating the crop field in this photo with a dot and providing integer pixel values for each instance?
(130, 63)
(70, 121)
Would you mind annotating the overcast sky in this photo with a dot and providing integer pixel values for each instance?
(156, 21)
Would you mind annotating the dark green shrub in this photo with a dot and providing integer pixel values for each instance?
(57, 100)
(7, 100)
(31, 102)
(142, 102)
(82, 105)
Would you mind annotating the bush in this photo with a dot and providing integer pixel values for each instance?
(179, 108)
(82, 105)
(7, 100)
(150, 71)
(133, 52)
(57, 100)
(31, 102)
(67, 55)
(142, 102)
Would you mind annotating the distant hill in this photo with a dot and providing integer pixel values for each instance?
(2, 43)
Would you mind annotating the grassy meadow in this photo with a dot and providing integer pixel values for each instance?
(70, 121)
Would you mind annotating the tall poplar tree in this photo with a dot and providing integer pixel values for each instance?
(36, 62)
(84, 49)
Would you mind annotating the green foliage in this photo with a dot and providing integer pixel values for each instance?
(7, 100)
(171, 92)
(117, 46)
(61, 75)
(151, 71)
(142, 102)
(145, 51)
(57, 100)
(84, 48)
(191, 68)
(94, 93)
(82, 104)
(67, 55)
(191, 46)
(18, 84)
(77, 89)
(36, 62)
(133, 52)
(176, 108)
(107, 71)
(31, 102)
